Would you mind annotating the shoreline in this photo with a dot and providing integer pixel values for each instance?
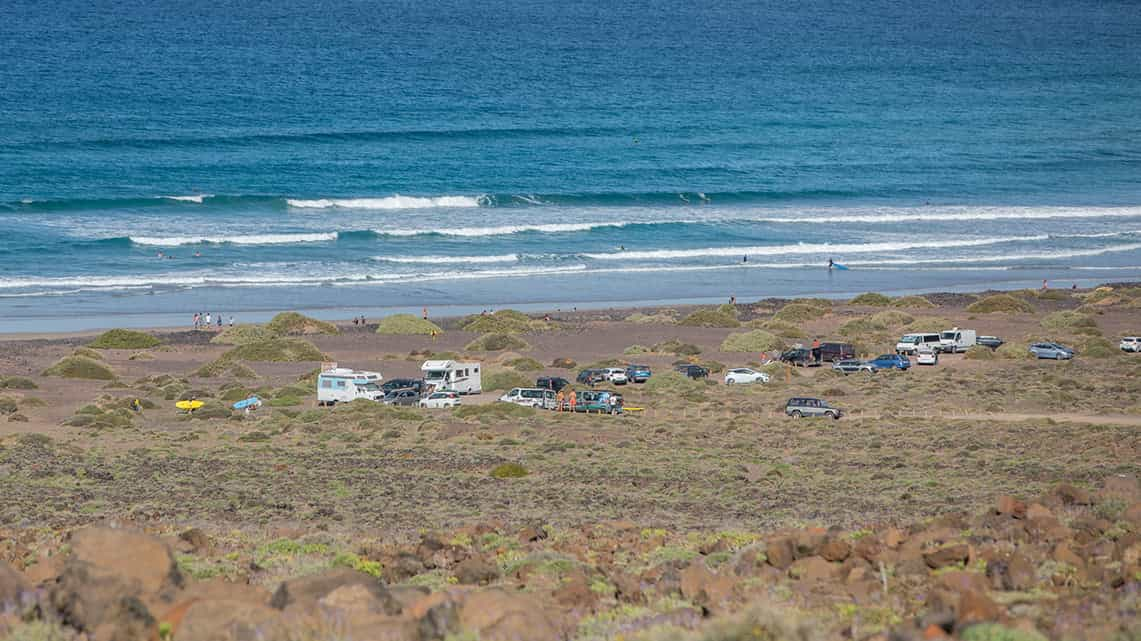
(65, 326)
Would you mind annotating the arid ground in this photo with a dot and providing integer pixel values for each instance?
(991, 496)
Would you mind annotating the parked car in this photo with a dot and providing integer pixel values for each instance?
(833, 352)
(812, 407)
(438, 400)
(638, 373)
(552, 383)
(692, 371)
(616, 375)
(957, 340)
(992, 342)
(926, 355)
(590, 376)
(1131, 344)
(596, 402)
(909, 343)
(404, 383)
(799, 356)
(890, 361)
(743, 375)
(407, 397)
(1052, 350)
(853, 366)
(530, 397)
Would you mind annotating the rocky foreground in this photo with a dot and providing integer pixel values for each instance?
(1064, 566)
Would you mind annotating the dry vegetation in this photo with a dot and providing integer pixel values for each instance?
(708, 515)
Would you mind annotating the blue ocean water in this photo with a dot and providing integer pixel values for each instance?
(340, 156)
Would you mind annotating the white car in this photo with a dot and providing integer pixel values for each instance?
(616, 375)
(530, 397)
(1131, 344)
(440, 400)
(743, 375)
(926, 356)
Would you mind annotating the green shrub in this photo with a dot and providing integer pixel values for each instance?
(292, 324)
(980, 353)
(891, 318)
(276, 350)
(1052, 294)
(871, 299)
(1068, 320)
(87, 353)
(860, 327)
(225, 367)
(17, 382)
(124, 339)
(494, 410)
(243, 335)
(780, 328)
(757, 340)
(524, 364)
(1000, 303)
(998, 632)
(564, 363)
(505, 321)
(797, 313)
(80, 367)
(822, 304)
(674, 384)
(283, 401)
(1013, 351)
(634, 350)
(676, 347)
(912, 302)
(504, 380)
(496, 343)
(7, 405)
(710, 318)
(1097, 347)
(728, 310)
(406, 325)
(509, 471)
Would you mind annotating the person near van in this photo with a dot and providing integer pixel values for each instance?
(816, 349)
(559, 401)
(572, 400)
(613, 403)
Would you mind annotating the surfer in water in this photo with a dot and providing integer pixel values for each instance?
(744, 259)
(830, 264)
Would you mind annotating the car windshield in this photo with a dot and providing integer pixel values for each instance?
(368, 387)
(435, 374)
(910, 339)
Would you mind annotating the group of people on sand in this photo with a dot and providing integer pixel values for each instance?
(206, 320)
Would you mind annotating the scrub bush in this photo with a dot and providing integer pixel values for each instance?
(406, 325)
(124, 339)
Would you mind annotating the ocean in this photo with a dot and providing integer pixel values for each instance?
(161, 158)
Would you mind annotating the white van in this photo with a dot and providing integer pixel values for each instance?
(452, 376)
(957, 340)
(341, 385)
(910, 343)
(531, 397)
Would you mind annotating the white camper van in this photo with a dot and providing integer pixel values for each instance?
(957, 340)
(341, 385)
(452, 376)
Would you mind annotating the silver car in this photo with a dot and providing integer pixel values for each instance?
(814, 407)
(851, 365)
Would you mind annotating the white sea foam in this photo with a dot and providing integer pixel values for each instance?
(948, 214)
(809, 248)
(197, 198)
(503, 258)
(552, 228)
(248, 239)
(395, 201)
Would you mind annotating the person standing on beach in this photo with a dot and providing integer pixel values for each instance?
(572, 400)
(231, 320)
(207, 319)
(425, 313)
(219, 321)
(559, 401)
(197, 319)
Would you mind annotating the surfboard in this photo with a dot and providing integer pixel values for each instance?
(839, 267)
(189, 406)
(252, 401)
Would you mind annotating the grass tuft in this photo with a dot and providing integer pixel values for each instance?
(243, 335)
(293, 324)
(124, 339)
(509, 471)
(757, 340)
(496, 343)
(81, 367)
(872, 299)
(1001, 304)
(710, 318)
(407, 325)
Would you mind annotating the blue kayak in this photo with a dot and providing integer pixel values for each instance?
(839, 266)
(252, 401)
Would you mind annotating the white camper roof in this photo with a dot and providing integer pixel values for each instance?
(438, 365)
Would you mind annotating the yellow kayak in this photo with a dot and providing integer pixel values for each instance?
(189, 406)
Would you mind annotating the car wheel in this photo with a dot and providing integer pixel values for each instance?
(796, 414)
(832, 415)
(730, 381)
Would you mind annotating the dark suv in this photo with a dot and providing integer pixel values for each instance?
(693, 371)
(800, 357)
(416, 384)
(591, 376)
(552, 383)
(833, 352)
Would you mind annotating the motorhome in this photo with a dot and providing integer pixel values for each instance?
(910, 343)
(341, 385)
(957, 340)
(452, 376)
